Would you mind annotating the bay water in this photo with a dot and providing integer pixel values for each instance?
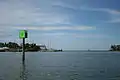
(60, 66)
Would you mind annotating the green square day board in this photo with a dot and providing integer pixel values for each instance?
(23, 34)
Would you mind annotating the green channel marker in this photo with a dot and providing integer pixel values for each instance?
(23, 34)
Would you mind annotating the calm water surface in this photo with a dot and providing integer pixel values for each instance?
(60, 66)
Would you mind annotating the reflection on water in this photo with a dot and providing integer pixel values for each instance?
(23, 75)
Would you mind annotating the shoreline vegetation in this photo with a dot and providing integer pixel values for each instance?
(33, 47)
(115, 48)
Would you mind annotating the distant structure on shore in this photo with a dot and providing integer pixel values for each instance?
(43, 48)
(4, 49)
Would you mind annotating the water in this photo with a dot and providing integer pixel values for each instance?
(60, 66)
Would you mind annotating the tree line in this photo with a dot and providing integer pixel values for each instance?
(115, 48)
(14, 46)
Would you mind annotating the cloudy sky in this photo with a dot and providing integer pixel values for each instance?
(66, 24)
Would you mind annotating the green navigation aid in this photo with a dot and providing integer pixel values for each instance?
(22, 34)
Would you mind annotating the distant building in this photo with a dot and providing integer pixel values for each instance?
(42, 47)
(4, 49)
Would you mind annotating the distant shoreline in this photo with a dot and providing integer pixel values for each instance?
(68, 51)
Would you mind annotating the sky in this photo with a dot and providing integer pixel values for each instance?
(66, 24)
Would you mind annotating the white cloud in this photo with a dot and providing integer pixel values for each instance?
(110, 11)
(15, 12)
(22, 12)
(4, 35)
(114, 21)
(65, 5)
(57, 28)
(90, 36)
(73, 35)
(54, 34)
(114, 14)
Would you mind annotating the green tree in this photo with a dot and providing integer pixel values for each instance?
(2, 44)
(115, 48)
(12, 45)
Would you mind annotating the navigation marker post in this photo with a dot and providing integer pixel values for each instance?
(22, 35)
